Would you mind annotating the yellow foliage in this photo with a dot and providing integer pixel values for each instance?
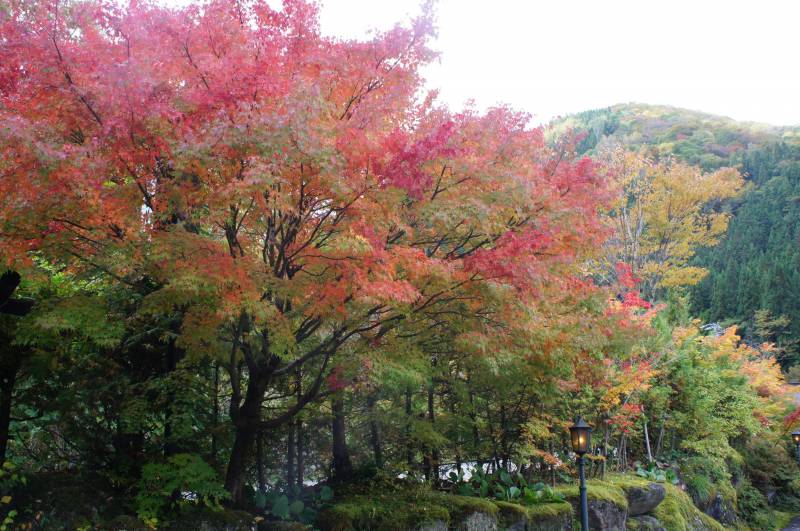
(662, 215)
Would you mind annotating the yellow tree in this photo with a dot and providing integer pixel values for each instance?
(664, 211)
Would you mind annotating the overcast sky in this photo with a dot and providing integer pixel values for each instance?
(554, 57)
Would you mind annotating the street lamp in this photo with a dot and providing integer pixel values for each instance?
(581, 434)
(796, 440)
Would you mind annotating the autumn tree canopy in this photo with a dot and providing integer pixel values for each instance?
(254, 259)
(278, 193)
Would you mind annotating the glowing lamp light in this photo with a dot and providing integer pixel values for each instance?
(581, 434)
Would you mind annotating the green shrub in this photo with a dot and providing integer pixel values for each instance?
(183, 480)
(753, 507)
(770, 468)
(9, 480)
(504, 486)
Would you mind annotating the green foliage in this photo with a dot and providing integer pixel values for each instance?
(281, 507)
(771, 468)
(505, 486)
(654, 473)
(10, 479)
(182, 480)
(753, 507)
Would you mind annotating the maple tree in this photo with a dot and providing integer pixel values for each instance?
(248, 250)
(279, 193)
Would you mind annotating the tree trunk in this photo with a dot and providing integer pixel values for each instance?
(246, 423)
(301, 464)
(409, 446)
(215, 422)
(8, 378)
(299, 440)
(660, 438)
(342, 467)
(290, 453)
(172, 357)
(503, 438)
(457, 435)
(647, 442)
(473, 417)
(262, 483)
(605, 452)
(6, 390)
(374, 430)
(431, 464)
(237, 464)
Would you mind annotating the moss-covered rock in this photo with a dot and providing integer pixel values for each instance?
(644, 523)
(476, 522)
(460, 507)
(597, 490)
(411, 507)
(544, 516)
(678, 513)
(642, 500)
(608, 505)
(380, 512)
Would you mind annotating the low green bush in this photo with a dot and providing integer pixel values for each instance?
(180, 481)
(753, 507)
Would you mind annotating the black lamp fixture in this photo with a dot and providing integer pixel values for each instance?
(581, 435)
(796, 440)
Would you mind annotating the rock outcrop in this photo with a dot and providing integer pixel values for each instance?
(642, 500)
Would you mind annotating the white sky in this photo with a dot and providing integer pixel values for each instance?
(554, 57)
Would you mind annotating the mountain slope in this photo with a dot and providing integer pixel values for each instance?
(756, 266)
(698, 138)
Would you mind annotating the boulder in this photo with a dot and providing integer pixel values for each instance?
(559, 522)
(642, 500)
(478, 522)
(721, 510)
(472, 522)
(645, 522)
(603, 515)
(541, 516)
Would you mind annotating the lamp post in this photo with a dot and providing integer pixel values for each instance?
(581, 435)
(796, 440)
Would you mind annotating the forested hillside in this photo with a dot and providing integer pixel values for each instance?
(754, 272)
(697, 138)
(249, 279)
